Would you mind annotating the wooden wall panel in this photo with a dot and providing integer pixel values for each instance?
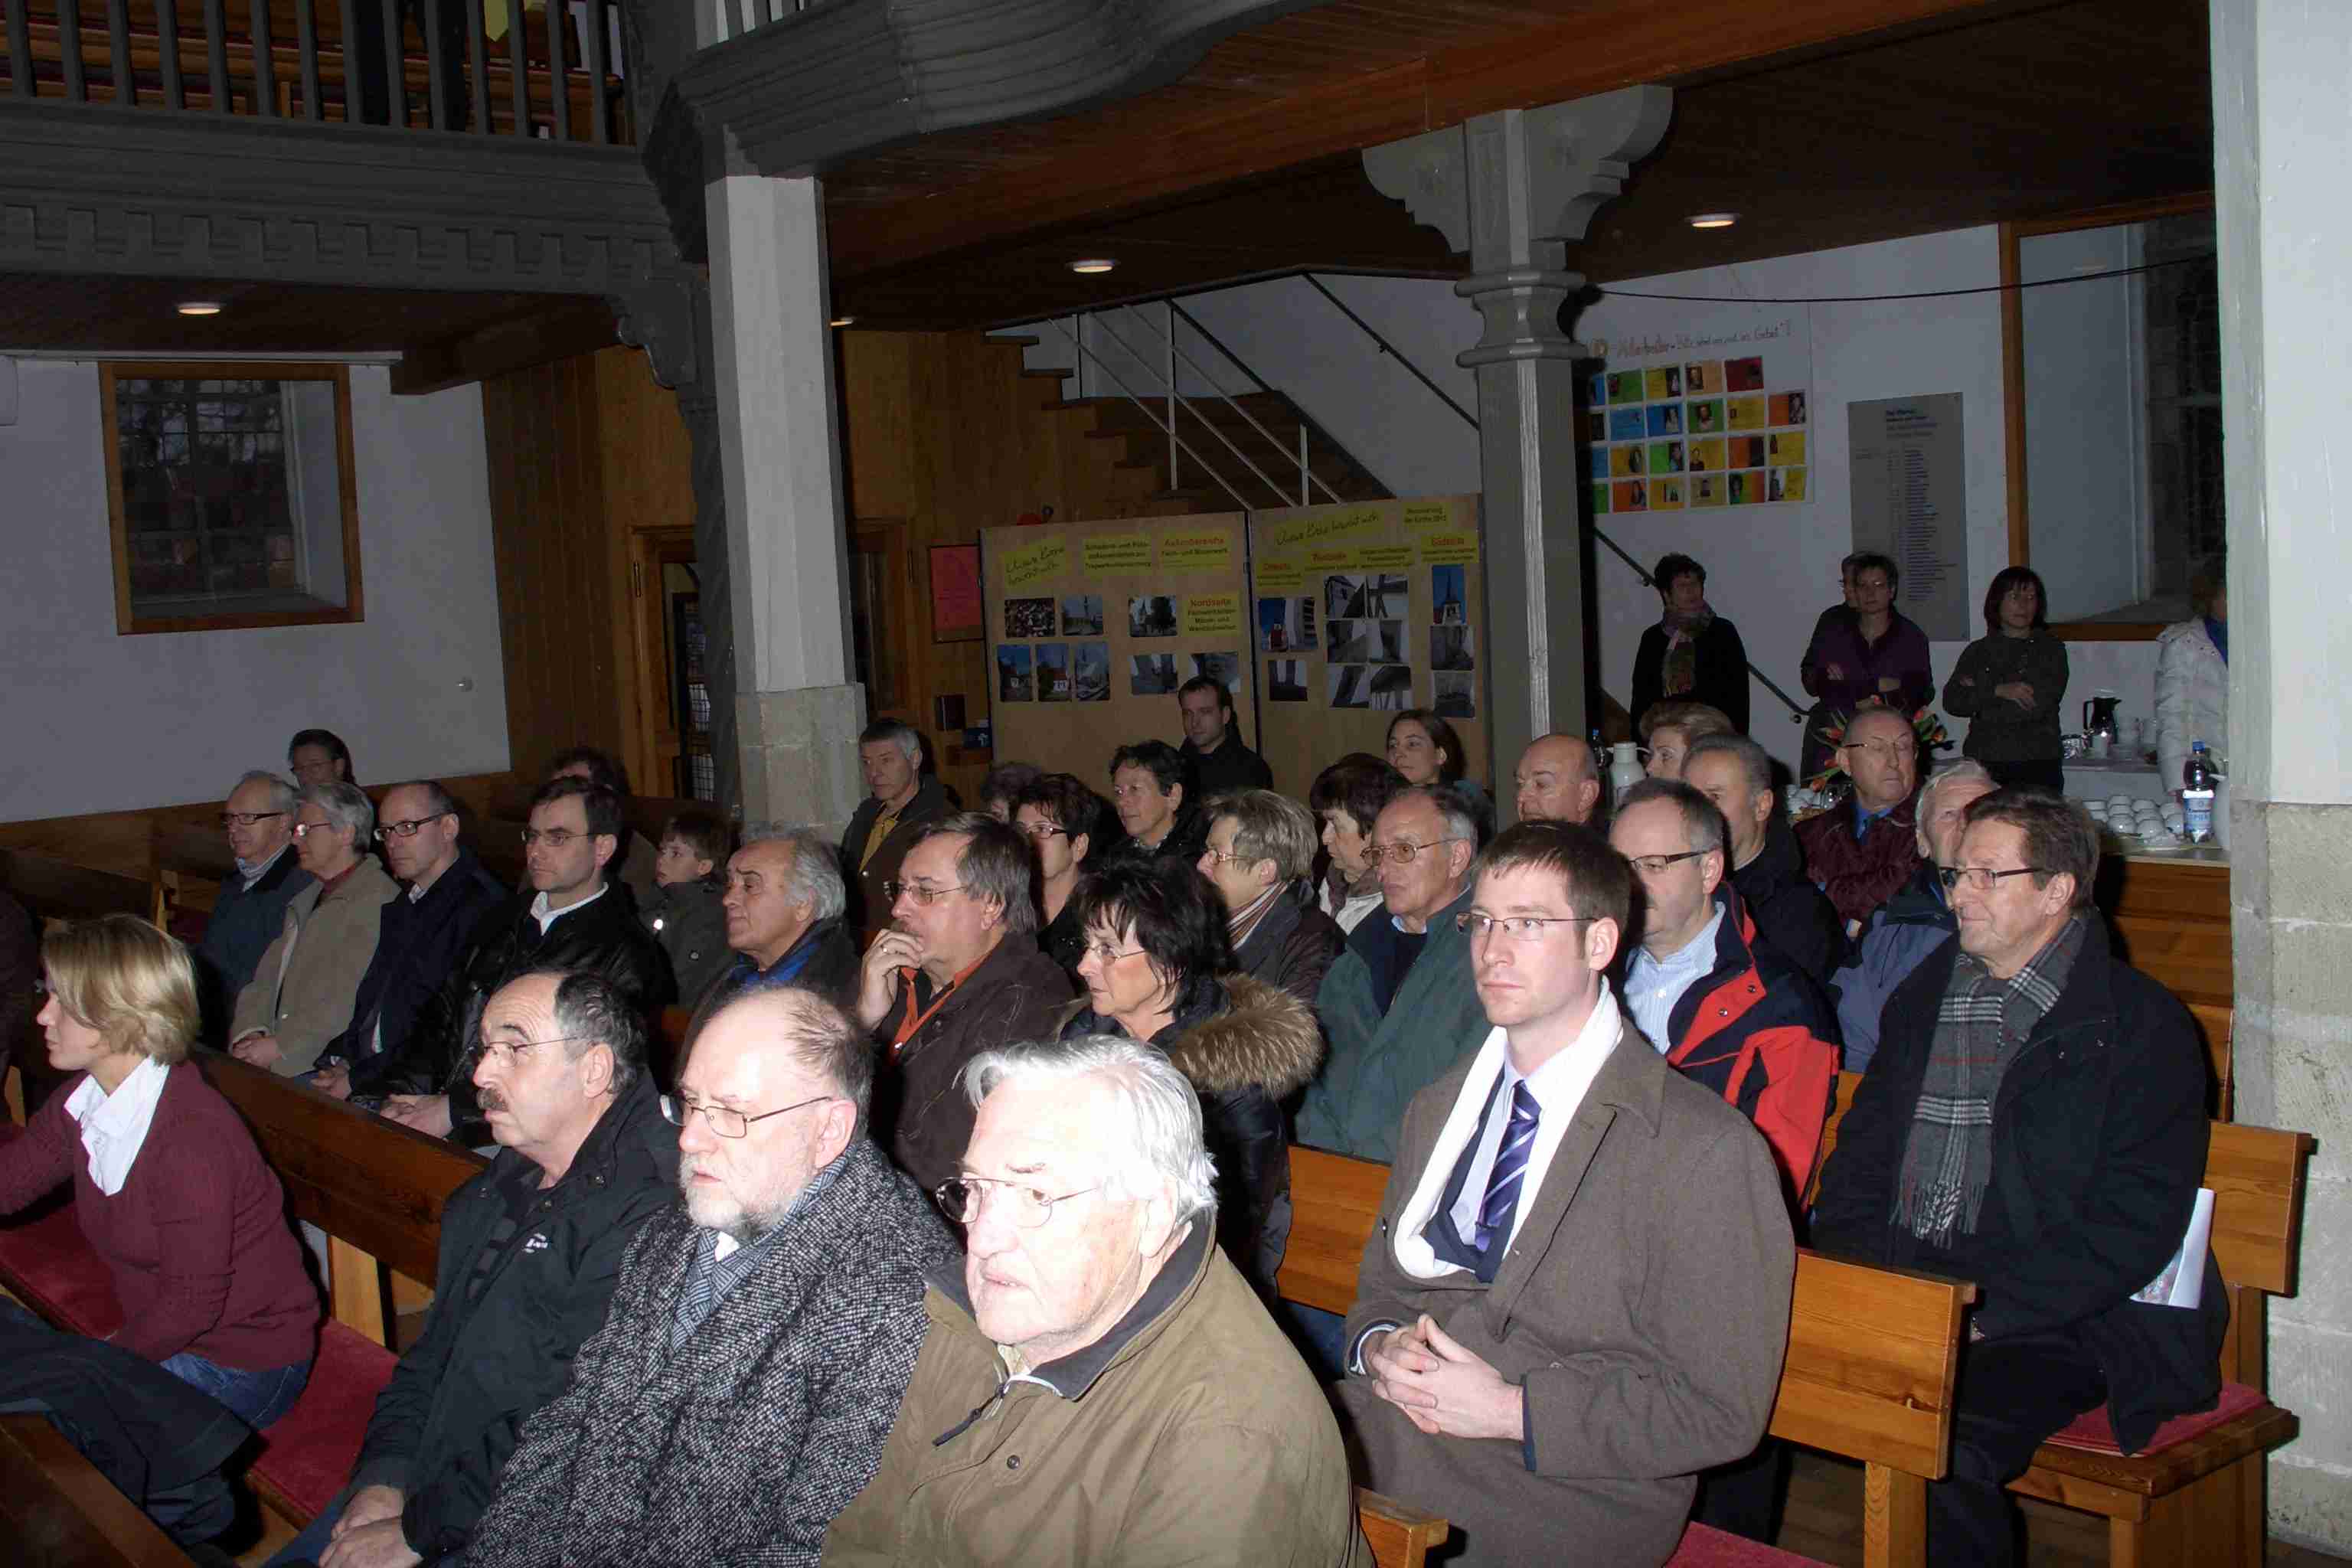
(648, 468)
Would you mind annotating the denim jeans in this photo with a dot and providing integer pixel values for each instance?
(259, 1398)
(311, 1544)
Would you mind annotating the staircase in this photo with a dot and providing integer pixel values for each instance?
(1116, 454)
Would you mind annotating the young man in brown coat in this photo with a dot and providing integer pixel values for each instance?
(1577, 1294)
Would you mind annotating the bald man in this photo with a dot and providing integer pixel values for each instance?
(1558, 781)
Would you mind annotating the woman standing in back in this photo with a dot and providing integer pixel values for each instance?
(168, 1186)
(2010, 684)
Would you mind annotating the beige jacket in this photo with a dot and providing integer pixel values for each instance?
(301, 991)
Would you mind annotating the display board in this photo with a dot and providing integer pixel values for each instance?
(1093, 625)
(1911, 504)
(1360, 610)
(1701, 412)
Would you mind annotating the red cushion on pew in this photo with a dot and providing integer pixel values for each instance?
(2091, 1431)
(1703, 1548)
(310, 1451)
(46, 1264)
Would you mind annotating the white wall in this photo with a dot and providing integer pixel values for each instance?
(97, 721)
(1770, 569)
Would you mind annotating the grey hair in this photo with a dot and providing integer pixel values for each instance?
(1702, 823)
(815, 875)
(592, 1010)
(346, 806)
(1459, 822)
(437, 800)
(1269, 827)
(1754, 760)
(899, 734)
(815, 1033)
(1162, 1134)
(281, 793)
(1961, 770)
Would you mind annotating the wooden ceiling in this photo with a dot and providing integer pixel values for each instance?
(2019, 114)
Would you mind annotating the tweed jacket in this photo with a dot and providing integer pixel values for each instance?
(302, 991)
(742, 1444)
(1644, 1308)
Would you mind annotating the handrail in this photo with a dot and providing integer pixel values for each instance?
(1168, 429)
(1796, 712)
(1306, 476)
(1218, 343)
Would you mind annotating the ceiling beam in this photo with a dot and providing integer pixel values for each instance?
(557, 332)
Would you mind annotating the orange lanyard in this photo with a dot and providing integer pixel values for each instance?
(914, 1021)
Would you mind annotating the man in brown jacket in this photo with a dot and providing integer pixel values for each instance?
(1098, 1384)
(957, 973)
(1577, 1293)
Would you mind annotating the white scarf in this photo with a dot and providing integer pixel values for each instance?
(114, 1126)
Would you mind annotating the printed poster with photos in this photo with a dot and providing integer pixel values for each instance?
(1701, 414)
(1362, 611)
(1093, 625)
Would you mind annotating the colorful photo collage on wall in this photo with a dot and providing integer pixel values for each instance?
(1698, 434)
(1066, 669)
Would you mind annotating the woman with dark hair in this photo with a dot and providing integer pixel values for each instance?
(2010, 684)
(1159, 968)
(1692, 653)
(168, 1187)
(1863, 651)
(1348, 798)
(1425, 749)
(317, 757)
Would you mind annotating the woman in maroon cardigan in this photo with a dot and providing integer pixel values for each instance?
(168, 1186)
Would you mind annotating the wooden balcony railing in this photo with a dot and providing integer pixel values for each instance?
(555, 72)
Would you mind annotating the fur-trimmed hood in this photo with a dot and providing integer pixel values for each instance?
(1258, 1035)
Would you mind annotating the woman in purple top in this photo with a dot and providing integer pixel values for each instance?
(1862, 649)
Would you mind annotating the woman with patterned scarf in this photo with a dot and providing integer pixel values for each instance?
(1692, 653)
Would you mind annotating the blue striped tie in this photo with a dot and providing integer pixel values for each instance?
(1503, 1182)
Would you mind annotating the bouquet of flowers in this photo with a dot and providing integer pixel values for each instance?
(1927, 724)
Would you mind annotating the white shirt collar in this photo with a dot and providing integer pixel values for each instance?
(546, 917)
(114, 1126)
(254, 870)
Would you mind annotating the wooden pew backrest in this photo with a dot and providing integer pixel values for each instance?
(1335, 1203)
(56, 1508)
(1871, 1360)
(1401, 1535)
(52, 889)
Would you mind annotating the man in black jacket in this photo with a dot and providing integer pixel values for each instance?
(2034, 1122)
(1212, 741)
(900, 802)
(575, 921)
(531, 1252)
(447, 891)
(1766, 866)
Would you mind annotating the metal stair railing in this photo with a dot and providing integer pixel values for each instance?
(1796, 711)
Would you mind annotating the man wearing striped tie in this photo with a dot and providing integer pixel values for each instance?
(1577, 1293)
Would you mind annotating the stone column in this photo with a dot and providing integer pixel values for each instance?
(1511, 189)
(797, 712)
(2280, 124)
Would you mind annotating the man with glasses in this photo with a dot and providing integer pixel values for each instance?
(2034, 1122)
(1864, 848)
(301, 992)
(258, 822)
(1399, 1003)
(447, 892)
(1154, 792)
(761, 1337)
(957, 971)
(573, 919)
(531, 1251)
(1098, 1383)
(1580, 1290)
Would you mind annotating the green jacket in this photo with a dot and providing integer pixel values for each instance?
(1379, 1063)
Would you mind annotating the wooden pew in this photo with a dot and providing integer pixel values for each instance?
(55, 1508)
(55, 889)
(1869, 1371)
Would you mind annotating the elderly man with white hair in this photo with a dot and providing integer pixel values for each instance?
(784, 902)
(899, 804)
(257, 820)
(300, 996)
(1916, 921)
(1098, 1384)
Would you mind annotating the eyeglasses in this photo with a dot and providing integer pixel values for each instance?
(554, 838)
(924, 895)
(1042, 829)
(1222, 856)
(304, 829)
(513, 1051)
(724, 1119)
(1519, 928)
(246, 818)
(1402, 852)
(1881, 749)
(1101, 954)
(1979, 878)
(408, 829)
(1028, 1208)
(1651, 865)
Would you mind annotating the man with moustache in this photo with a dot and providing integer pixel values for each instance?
(738, 1395)
(531, 1252)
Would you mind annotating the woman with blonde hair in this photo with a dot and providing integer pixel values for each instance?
(168, 1187)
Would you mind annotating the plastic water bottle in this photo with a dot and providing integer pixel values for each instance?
(2197, 795)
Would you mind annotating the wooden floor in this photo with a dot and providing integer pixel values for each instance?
(1823, 1519)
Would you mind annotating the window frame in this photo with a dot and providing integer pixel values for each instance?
(128, 623)
(2013, 368)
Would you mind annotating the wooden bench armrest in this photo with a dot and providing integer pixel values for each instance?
(1401, 1535)
(59, 1508)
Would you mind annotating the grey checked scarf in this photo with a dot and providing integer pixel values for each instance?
(1979, 1028)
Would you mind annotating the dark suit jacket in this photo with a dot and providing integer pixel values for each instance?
(1643, 1307)
(869, 908)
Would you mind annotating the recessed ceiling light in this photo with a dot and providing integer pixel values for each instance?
(1093, 264)
(843, 321)
(200, 308)
(1713, 220)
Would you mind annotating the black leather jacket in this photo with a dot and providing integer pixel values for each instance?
(604, 935)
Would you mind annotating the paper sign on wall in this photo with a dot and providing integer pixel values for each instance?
(1283, 576)
(1211, 613)
(1210, 549)
(1126, 553)
(1034, 563)
(1328, 529)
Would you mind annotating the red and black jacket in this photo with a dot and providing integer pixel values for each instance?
(1758, 1031)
